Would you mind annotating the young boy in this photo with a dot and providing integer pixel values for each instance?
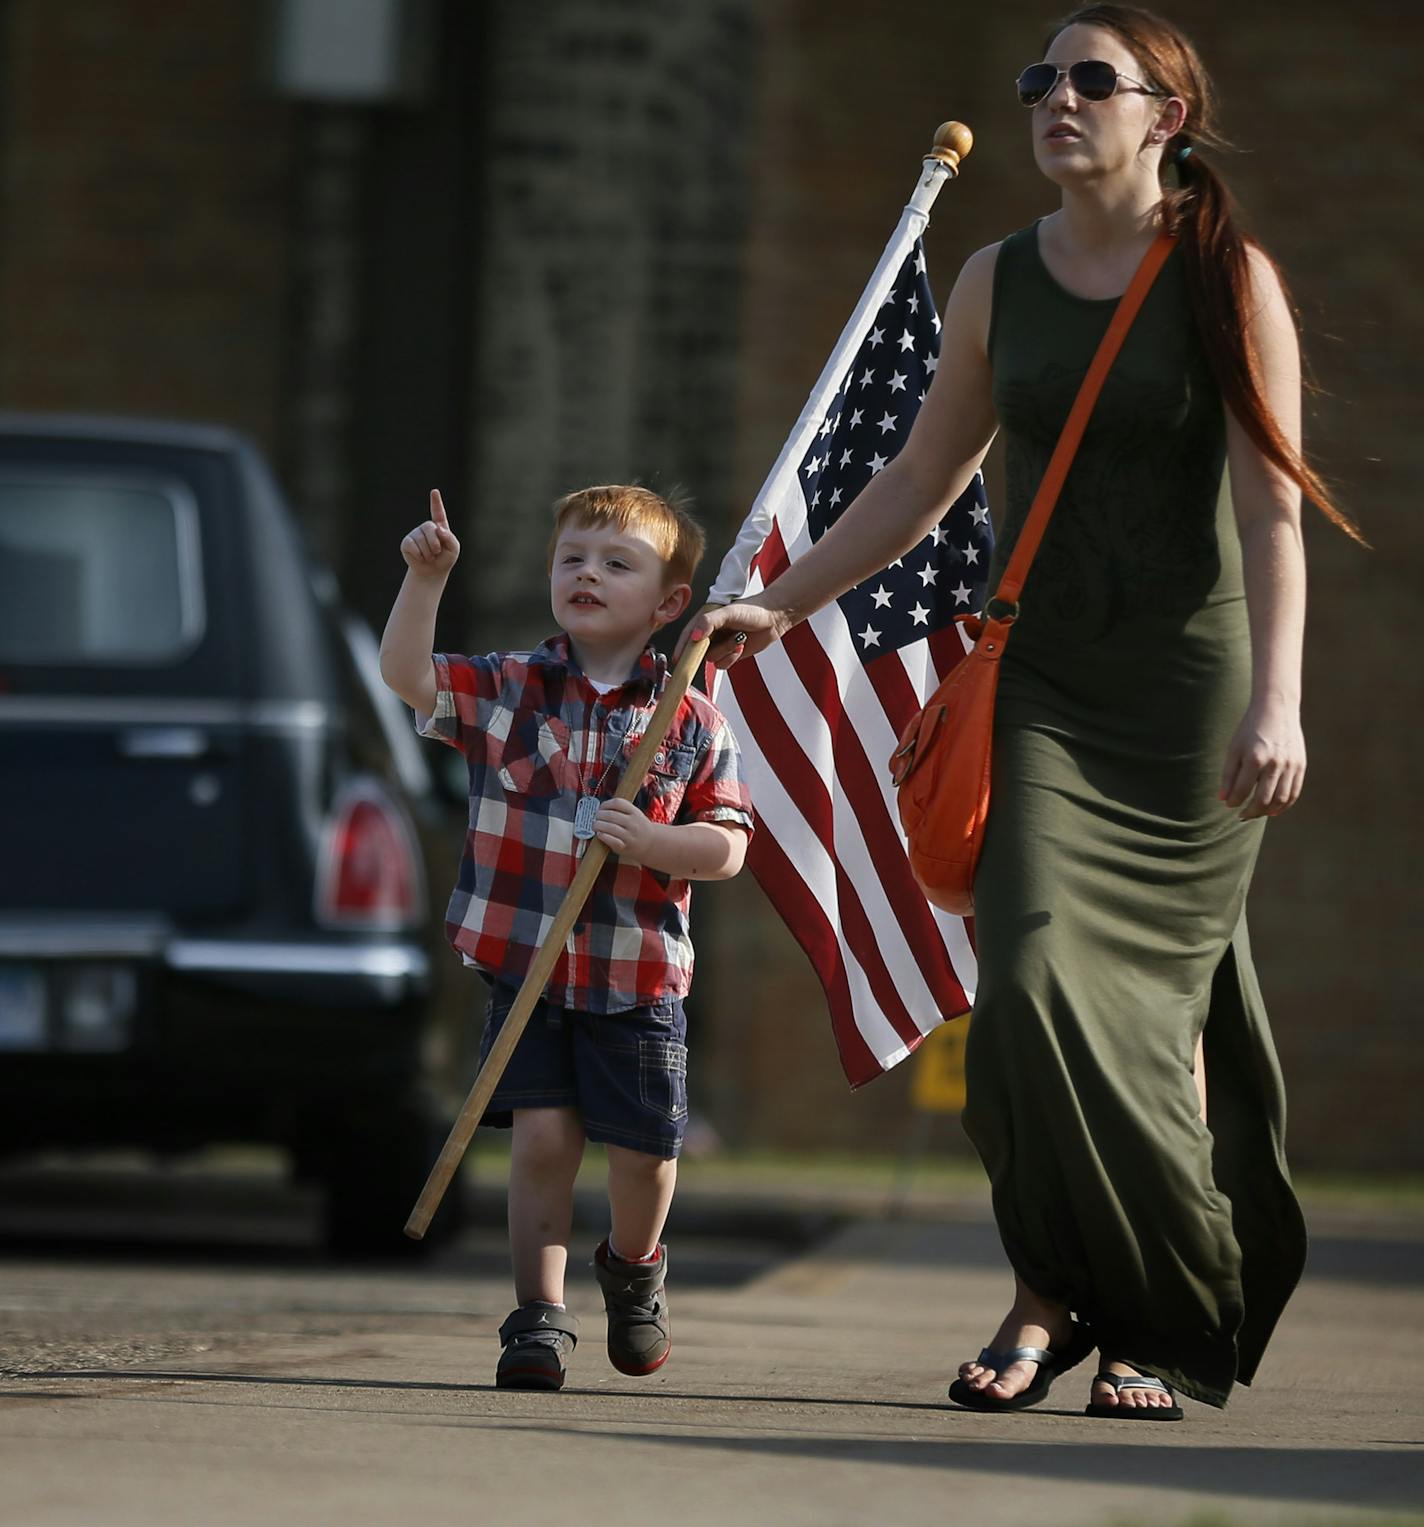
(547, 735)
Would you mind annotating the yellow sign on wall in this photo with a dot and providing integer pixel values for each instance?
(937, 1085)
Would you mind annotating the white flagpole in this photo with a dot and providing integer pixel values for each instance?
(952, 142)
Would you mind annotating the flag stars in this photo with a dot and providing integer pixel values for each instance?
(908, 600)
(905, 605)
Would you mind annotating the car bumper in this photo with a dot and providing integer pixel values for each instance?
(201, 1039)
(379, 972)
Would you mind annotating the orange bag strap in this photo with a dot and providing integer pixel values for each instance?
(1011, 584)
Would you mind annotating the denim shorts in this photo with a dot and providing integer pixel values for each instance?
(625, 1073)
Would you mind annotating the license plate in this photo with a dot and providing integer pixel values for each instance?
(22, 1008)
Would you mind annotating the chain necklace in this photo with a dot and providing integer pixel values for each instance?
(588, 803)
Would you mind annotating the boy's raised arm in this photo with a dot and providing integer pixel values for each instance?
(430, 551)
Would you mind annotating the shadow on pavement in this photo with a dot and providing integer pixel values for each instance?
(1349, 1477)
(1387, 1477)
(571, 1392)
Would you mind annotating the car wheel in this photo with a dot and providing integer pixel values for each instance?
(378, 1161)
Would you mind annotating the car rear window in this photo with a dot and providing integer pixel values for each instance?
(97, 569)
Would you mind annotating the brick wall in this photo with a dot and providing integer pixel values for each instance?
(143, 206)
(146, 183)
(1319, 100)
(613, 215)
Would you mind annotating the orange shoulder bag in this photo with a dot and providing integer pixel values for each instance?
(941, 767)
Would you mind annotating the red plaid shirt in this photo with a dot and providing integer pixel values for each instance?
(537, 735)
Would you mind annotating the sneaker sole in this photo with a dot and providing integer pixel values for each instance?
(638, 1373)
(528, 1378)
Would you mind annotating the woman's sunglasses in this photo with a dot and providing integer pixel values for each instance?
(1091, 78)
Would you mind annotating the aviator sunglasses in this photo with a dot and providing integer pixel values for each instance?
(1091, 78)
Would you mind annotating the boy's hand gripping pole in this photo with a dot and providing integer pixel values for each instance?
(448, 1161)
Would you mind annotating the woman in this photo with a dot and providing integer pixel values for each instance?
(1147, 723)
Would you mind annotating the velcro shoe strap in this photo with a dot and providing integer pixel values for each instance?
(532, 1319)
(637, 1280)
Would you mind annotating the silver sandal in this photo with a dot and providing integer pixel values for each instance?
(1118, 1383)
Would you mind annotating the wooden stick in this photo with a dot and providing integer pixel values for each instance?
(453, 1151)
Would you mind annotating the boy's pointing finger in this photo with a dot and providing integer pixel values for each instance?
(437, 509)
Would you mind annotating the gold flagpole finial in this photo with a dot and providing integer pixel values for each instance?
(952, 143)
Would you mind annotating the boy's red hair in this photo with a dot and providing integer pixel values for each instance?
(668, 525)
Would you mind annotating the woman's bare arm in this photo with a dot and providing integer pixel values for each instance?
(900, 505)
(1264, 768)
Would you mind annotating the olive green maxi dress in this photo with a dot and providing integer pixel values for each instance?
(1109, 902)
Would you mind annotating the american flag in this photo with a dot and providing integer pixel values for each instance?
(819, 713)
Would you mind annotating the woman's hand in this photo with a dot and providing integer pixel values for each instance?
(1265, 761)
(734, 630)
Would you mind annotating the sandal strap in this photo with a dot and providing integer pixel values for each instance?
(998, 1361)
(1119, 1382)
(537, 1320)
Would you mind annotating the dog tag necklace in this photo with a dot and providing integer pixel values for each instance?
(584, 814)
(587, 806)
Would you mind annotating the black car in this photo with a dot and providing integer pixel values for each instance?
(212, 889)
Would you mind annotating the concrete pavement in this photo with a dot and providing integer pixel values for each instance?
(267, 1386)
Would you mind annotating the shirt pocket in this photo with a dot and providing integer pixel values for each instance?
(534, 758)
(667, 782)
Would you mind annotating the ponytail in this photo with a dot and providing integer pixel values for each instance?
(1202, 211)
(1217, 255)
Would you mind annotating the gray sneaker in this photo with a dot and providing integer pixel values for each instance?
(538, 1340)
(639, 1336)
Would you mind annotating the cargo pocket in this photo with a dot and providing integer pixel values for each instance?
(662, 1077)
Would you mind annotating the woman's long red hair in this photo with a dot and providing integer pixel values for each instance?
(1201, 209)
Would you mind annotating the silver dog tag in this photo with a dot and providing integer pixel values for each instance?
(584, 814)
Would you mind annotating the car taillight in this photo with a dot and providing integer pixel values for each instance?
(370, 874)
